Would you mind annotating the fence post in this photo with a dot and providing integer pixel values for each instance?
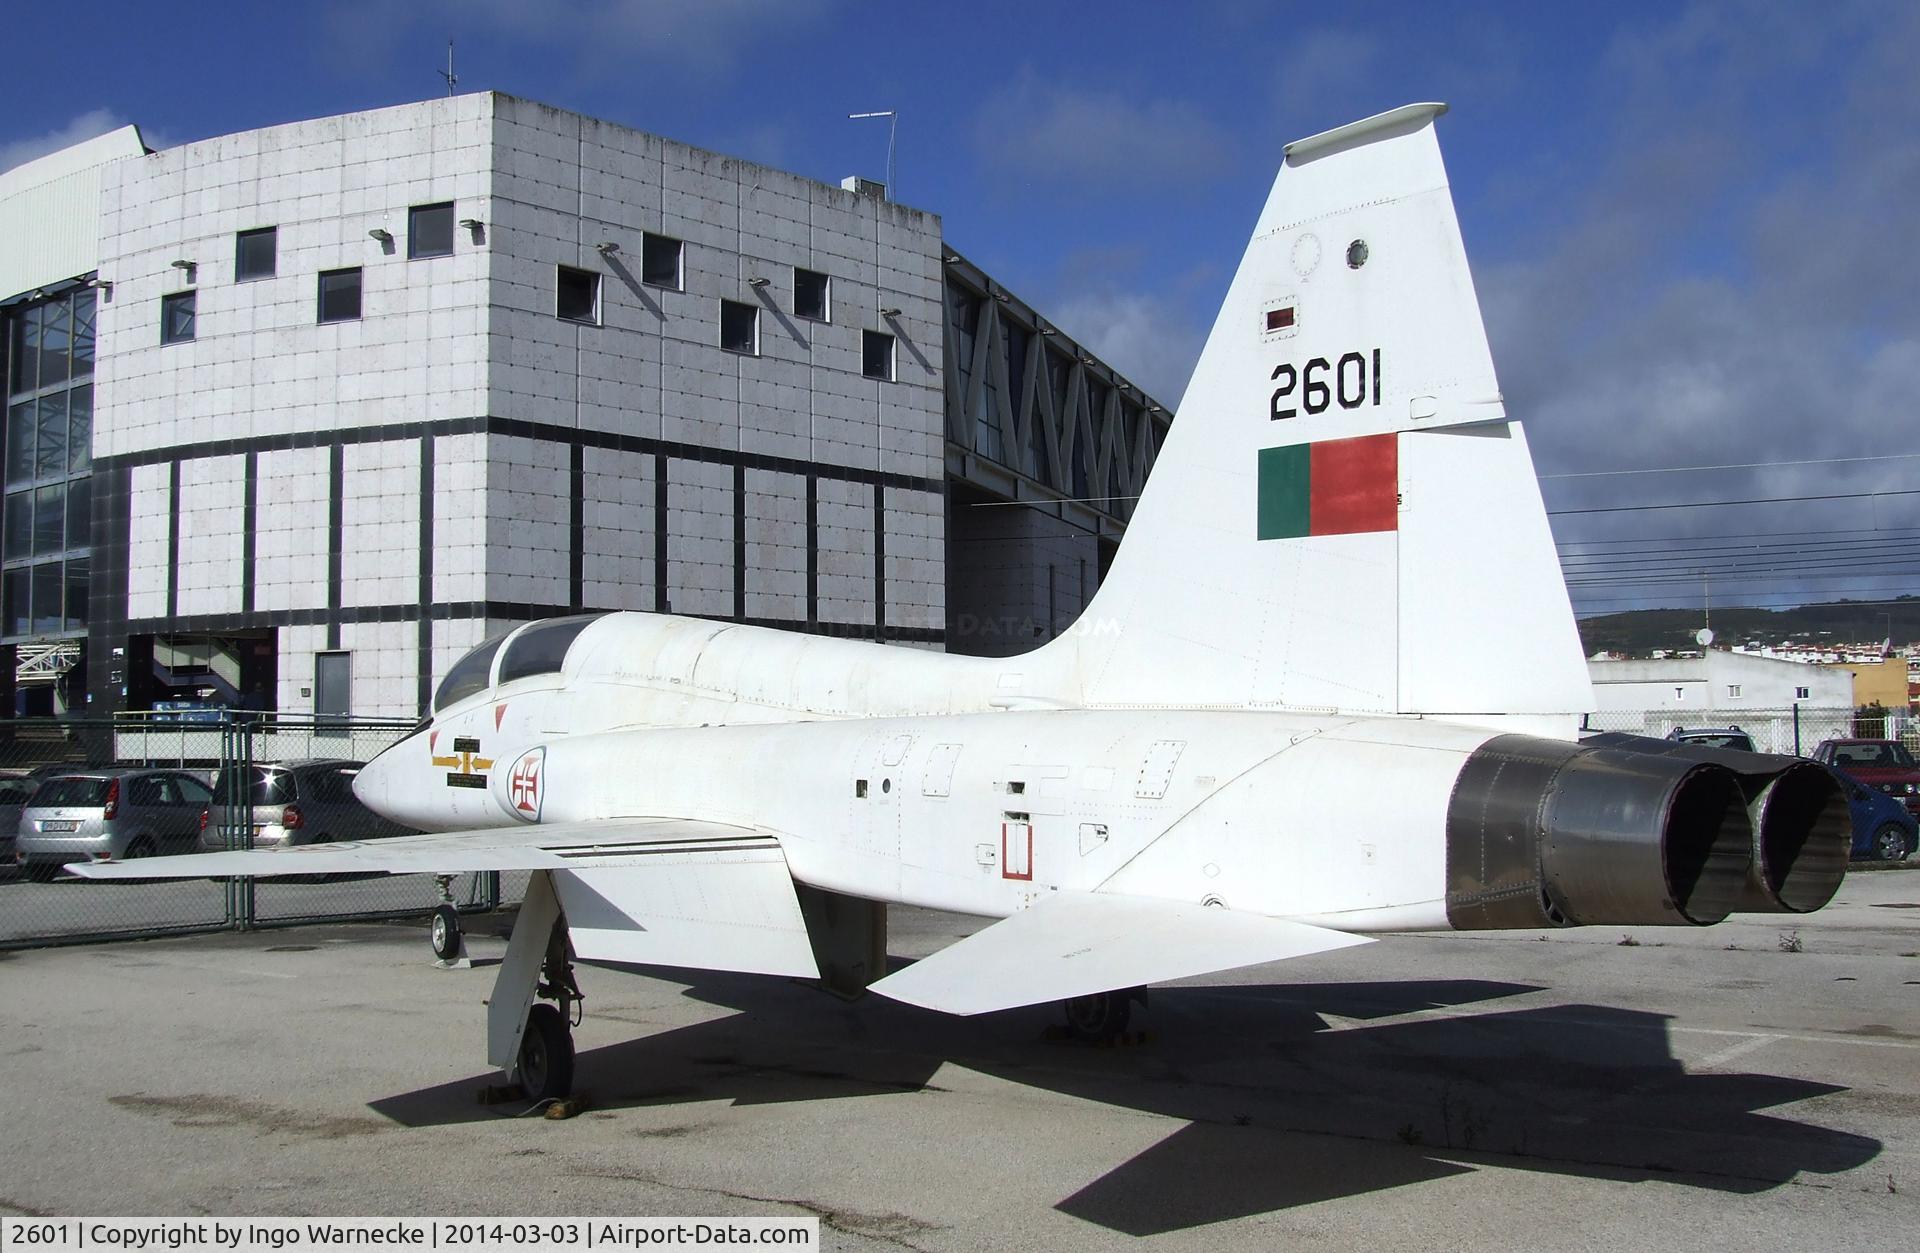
(1796, 729)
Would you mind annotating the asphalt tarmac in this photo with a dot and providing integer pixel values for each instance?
(1750, 1086)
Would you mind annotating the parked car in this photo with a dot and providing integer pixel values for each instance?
(1883, 830)
(1713, 737)
(108, 815)
(1885, 765)
(14, 791)
(298, 802)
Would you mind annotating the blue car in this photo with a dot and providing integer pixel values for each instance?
(1883, 830)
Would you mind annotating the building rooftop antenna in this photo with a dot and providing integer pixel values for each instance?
(893, 120)
(448, 73)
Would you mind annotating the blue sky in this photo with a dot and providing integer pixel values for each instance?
(1692, 225)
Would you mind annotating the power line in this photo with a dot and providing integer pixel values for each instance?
(1740, 465)
(1687, 539)
(1717, 504)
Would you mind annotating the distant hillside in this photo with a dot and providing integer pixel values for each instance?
(1640, 631)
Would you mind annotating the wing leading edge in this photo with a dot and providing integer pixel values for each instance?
(553, 846)
(1079, 943)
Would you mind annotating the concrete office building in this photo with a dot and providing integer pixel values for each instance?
(297, 415)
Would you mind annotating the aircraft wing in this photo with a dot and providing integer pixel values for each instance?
(549, 846)
(648, 891)
(1078, 943)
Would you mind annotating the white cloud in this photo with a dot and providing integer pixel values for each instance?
(1721, 287)
(1058, 133)
(1148, 342)
(92, 123)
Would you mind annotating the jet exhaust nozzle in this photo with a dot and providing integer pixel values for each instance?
(1543, 833)
(1802, 832)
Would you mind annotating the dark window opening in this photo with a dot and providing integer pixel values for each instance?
(577, 295)
(340, 295)
(811, 295)
(660, 261)
(176, 317)
(739, 327)
(876, 357)
(860, 788)
(430, 230)
(255, 253)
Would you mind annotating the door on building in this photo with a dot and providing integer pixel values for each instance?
(332, 687)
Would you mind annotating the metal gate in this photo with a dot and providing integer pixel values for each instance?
(187, 781)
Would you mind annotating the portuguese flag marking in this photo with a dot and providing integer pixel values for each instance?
(1334, 487)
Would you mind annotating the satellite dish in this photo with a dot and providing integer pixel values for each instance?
(1704, 636)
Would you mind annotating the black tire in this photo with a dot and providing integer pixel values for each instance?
(1100, 1018)
(1889, 842)
(443, 933)
(545, 1069)
(141, 846)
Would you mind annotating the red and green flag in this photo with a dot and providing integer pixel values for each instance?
(1334, 487)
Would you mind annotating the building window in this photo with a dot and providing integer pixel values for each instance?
(176, 317)
(577, 295)
(876, 356)
(1733, 691)
(340, 295)
(430, 230)
(660, 261)
(812, 292)
(739, 327)
(255, 253)
(1800, 693)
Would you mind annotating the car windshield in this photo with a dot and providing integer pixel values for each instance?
(1882, 755)
(270, 787)
(71, 792)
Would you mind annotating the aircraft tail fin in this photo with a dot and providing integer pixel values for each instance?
(1342, 516)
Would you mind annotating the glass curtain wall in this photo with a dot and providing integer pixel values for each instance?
(45, 528)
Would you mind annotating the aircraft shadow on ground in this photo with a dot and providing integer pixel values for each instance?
(1282, 1109)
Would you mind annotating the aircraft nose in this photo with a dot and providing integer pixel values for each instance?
(374, 784)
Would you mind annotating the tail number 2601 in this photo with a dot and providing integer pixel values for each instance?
(1352, 381)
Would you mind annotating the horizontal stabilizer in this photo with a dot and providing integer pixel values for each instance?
(555, 846)
(1076, 944)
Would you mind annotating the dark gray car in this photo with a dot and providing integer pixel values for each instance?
(109, 815)
(15, 789)
(295, 802)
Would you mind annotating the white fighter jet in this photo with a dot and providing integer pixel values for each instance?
(1330, 688)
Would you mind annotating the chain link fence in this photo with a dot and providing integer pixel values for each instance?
(162, 784)
(1792, 729)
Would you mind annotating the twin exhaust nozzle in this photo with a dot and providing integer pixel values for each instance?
(1625, 830)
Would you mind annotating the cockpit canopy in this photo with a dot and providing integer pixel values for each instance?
(534, 649)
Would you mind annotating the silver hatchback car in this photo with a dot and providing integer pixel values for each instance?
(293, 802)
(109, 815)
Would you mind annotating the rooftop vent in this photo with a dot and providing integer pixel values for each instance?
(864, 187)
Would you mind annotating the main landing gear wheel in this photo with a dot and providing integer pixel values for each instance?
(1099, 1018)
(443, 932)
(545, 1069)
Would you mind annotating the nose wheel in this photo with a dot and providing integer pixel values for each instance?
(443, 932)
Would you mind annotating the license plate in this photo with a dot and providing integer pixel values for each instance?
(59, 825)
